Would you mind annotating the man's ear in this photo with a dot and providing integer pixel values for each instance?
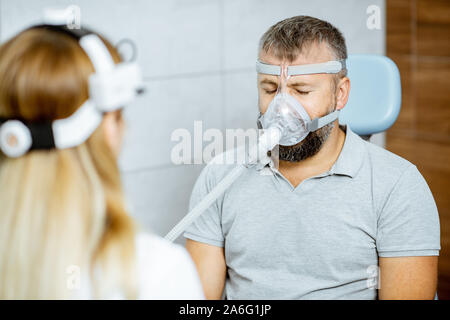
(342, 93)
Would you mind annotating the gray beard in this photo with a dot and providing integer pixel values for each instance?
(308, 147)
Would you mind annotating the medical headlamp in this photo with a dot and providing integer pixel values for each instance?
(111, 87)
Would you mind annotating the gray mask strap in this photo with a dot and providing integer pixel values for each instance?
(267, 68)
(318, 123)
(326, 67)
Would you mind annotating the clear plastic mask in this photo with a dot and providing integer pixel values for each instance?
(285, 112)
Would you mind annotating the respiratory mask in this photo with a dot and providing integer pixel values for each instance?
(285, 112)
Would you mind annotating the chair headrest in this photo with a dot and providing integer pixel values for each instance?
(375, 94)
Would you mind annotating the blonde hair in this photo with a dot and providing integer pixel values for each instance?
(59, 208)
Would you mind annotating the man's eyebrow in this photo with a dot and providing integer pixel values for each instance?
(268, 81)
(299, 84)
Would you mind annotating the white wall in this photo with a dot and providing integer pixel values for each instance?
(198, 60)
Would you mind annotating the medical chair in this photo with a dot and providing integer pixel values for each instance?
(375, 94)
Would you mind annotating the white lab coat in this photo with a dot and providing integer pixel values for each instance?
(165, 272)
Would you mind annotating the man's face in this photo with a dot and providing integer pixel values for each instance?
(316, 92)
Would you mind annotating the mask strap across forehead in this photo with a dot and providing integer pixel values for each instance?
(296, 70)
(326, 67)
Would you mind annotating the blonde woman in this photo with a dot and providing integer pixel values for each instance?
(64, 230)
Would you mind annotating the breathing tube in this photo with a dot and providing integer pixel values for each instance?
(268, 140)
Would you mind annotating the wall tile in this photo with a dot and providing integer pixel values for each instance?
(172, 36)
(168, 105)
(158, 199)
(246, 21)
(241, 100)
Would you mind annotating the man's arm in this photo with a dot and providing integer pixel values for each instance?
(412, 278)
(211, 267)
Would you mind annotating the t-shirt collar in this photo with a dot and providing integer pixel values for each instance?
(352, 154)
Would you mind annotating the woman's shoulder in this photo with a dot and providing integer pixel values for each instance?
(166, 270)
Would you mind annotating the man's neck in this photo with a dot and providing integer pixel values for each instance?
(321, 162)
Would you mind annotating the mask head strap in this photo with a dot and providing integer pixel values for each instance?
(297, 70)
(318, 123)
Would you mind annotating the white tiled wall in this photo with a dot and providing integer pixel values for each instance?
(198, 58)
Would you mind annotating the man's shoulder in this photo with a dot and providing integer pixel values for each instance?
(392, 177)
(384, 162)
(387, 169)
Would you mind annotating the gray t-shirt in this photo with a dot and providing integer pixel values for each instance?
(322, 239)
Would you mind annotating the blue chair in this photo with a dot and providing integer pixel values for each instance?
(375, 94)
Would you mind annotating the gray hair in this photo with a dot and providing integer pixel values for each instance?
(288, 38)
